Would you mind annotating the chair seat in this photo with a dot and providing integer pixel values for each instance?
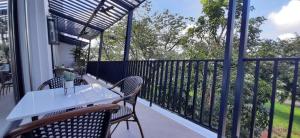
(122, 112)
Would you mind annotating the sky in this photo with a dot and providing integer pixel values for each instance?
(283, 16)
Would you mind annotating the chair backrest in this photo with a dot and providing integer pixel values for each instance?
(130, 85)
(80, 81)
(59, 72)
(85, 122)
(57, 82)
(4, 76)
(53, 83)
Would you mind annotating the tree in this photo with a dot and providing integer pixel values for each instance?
(207, 39)
(154, 36)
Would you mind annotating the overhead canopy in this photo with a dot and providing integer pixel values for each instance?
(72, 41)
(87, 18)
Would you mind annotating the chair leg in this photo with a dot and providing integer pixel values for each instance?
(2, 90)
(7, 89)
(138, 122)
(127, 124)
(114, 128)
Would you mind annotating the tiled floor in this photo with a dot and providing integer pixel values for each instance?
(154, 124)
(6, 105)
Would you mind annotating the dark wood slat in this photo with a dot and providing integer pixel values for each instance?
(195, 89)
(165, 84)
(203, 89)
(152, 81)
(161, 81)
(213, 91)
(156, 82)
(175, 92)
(181, 87)
(170, 85)
(188, 88)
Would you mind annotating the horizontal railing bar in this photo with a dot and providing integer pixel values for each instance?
(218, 60)
(272, 59)
(221, 60)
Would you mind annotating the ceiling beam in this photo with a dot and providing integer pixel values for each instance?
(101, 3)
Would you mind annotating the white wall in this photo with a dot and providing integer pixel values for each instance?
(62, 54)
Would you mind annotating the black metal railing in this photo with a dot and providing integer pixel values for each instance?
(192, 89)
(186, 87)
(110, 71)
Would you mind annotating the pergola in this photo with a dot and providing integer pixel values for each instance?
(90, 18)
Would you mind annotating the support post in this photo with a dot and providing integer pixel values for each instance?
(236, 119)
(226, 69)
(127, 42)
(88, 57)
(79, 50)
(99, 53)
(89, 52)
(52, 57)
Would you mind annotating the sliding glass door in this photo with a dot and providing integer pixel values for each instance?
(10, 77)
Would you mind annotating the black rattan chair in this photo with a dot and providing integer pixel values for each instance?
(131, 87)
(89, 122)
(6, 82)
(57, 82)
(59, 71)
(53, 83)
(80, 81)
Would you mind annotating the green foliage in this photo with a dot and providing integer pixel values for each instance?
(165, 35)
(282, 112)
(79, 55)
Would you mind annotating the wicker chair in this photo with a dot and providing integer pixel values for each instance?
(59, 72)
(6, 82)
(89, 122)
(80, 81)
(57, 82)
(131, 87)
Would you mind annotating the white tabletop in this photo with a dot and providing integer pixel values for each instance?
(38, 103)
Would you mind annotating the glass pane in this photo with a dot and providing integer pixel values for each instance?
(7, 100)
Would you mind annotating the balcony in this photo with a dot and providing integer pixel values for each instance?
(152, 117)
(228, 97)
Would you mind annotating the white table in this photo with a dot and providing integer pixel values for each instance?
(37, 103)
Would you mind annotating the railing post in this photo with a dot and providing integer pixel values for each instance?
(254, 100)
(226, 68)
(127, 41)
(294, 92)
(99, 53)
(240, 71)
